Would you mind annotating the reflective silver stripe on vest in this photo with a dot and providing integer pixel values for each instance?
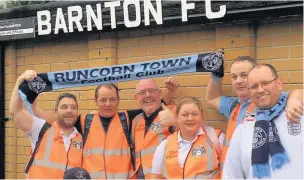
(48, 145)
(49, 164)
(119, 175)
(146, 151)
(206, 175)
(210, 162)
(113, 152)
(95, 175)
(226, 142)
(147, 170)
(222, 166)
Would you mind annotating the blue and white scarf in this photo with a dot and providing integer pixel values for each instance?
(207, 62)
(266, 141)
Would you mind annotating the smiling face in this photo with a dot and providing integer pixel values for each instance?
(189, 118)
(67, 112)
(265, 90)
(148, 96)
(239, 72)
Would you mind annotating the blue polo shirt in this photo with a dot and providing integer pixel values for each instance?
(225, 107)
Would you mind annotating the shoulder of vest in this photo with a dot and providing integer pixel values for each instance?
(217, 131)
(140, 115)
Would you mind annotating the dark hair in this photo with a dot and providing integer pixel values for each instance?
(109, 86)
(245, 58)
(272, 69)
(65, 95)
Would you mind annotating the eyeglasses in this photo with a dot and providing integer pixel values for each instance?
(263, 84)
(150, 91)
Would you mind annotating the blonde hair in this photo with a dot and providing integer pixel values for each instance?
(189, 100)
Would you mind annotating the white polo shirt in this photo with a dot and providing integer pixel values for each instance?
(36, 127)
(238, 160)
(183, 150)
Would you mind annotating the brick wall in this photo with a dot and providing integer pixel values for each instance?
(278, 43)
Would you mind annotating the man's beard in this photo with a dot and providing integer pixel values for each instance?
(62, 123)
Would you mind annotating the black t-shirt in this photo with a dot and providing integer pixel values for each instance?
(149, 120)
(130, 113)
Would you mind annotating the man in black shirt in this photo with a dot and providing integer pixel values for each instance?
(147, 131)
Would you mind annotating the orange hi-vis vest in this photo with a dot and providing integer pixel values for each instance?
(145, 146)
(202, 161)
(52, 160)
(232, 124)
(106, 155)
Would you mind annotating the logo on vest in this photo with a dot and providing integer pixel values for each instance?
(155, 126)
(37, 85)
(259, 138)
(77, 144)
(294, 128)
(198, 151)
(171, 154)
(212, 61)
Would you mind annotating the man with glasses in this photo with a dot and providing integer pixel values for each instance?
(235, 109)
(147, 132)
(271, 138)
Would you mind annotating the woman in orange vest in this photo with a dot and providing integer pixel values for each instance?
(192, 152)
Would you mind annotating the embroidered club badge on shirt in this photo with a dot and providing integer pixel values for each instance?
(198, 151)
(294, 128)
(155, 126)
(77, 144)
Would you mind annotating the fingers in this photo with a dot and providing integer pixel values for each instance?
(171, 83)
(294, 110)
(29, 75)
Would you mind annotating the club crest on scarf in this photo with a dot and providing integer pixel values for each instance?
(212, 61)
(155, 126)
(294, 128)
(198, 151)
(259, 138)
(37, 85)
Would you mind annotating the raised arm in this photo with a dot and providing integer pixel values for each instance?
(48, 116)
(23, 119)
(214, 92)
(171, 86)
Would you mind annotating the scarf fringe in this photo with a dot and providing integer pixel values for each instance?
(278, 160)
(261, 170)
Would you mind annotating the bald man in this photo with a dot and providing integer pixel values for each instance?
(147, 131)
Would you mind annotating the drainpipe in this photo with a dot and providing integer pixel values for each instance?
(2, 113)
